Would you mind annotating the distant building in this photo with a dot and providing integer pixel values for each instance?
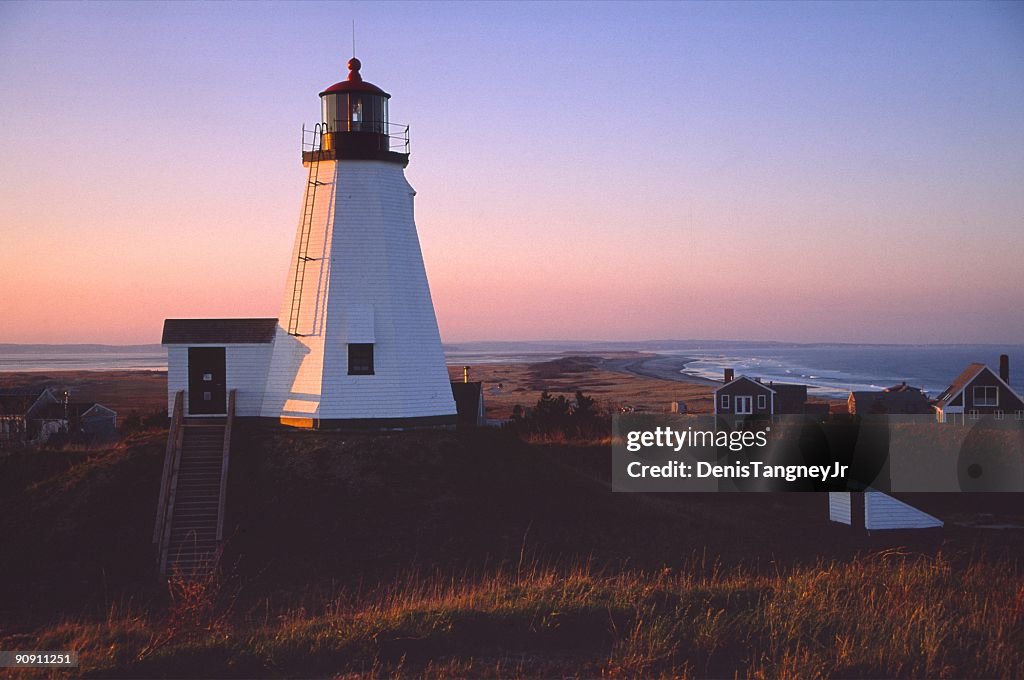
(30, 417)
(469, 400)
(978, 392)
(873, 510)
(95, 420)
(750, 396)
(15, 408)
(898, 399)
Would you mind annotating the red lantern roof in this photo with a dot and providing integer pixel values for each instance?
(355, 82)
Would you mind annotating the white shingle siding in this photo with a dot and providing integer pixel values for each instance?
(247, 365)
(372, 274)
(839, 506)
(882, 511)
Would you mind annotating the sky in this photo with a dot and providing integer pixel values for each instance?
(809, 172)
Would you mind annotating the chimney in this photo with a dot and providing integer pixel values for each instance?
(465, 374)
(1004, 368)
(729, 375)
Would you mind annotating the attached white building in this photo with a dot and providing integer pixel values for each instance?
(207, 358)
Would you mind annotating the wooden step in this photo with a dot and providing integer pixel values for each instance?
(192, 520)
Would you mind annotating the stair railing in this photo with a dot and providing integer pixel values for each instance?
(168, 482)
(222, 498)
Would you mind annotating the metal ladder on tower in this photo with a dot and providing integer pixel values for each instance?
(306, 227)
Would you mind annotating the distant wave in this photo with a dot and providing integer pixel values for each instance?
(839, 369)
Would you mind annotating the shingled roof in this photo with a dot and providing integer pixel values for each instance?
(899, 399)
(218, 331)
(961, 381)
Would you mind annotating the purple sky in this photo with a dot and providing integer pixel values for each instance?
(807, 172)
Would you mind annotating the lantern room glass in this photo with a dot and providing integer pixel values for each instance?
(355, 112)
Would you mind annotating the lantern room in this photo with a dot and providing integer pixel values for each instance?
(354, 115)
(354, 105)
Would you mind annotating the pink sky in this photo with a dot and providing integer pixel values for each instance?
(578, 179)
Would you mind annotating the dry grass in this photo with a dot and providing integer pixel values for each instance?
(508, 385)
(884, 615)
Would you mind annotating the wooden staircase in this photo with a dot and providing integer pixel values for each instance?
(190, 515)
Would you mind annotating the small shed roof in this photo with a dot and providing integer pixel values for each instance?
(218, 331)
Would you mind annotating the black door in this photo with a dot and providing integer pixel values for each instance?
(207, 380)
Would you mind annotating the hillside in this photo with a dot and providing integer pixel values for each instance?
(374, 523)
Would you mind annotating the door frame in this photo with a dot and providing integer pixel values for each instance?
(196, 364)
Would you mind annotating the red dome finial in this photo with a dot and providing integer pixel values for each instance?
(353, 69)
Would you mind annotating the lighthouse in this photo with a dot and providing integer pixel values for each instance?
(356, 341)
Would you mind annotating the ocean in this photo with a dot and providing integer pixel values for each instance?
(835, 370)
(828, 369)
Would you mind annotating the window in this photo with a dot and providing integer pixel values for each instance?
(762, 401)
(744, 405)
(973, 414)
(999, 414)
(1019, 415)
(360, 358)
(986, 395)
(724, 402)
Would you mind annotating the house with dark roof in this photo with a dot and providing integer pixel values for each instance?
(95, 420)
(978, 391)
(901, 399)
(207, 358)
(31, 416)
(744, 396)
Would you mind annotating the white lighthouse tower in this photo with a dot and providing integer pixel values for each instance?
(357, 342)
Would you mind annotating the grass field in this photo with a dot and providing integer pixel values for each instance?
(882, 615)
(483, 553)
(450, 554)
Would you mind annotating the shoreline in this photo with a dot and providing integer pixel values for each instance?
(660, 367)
